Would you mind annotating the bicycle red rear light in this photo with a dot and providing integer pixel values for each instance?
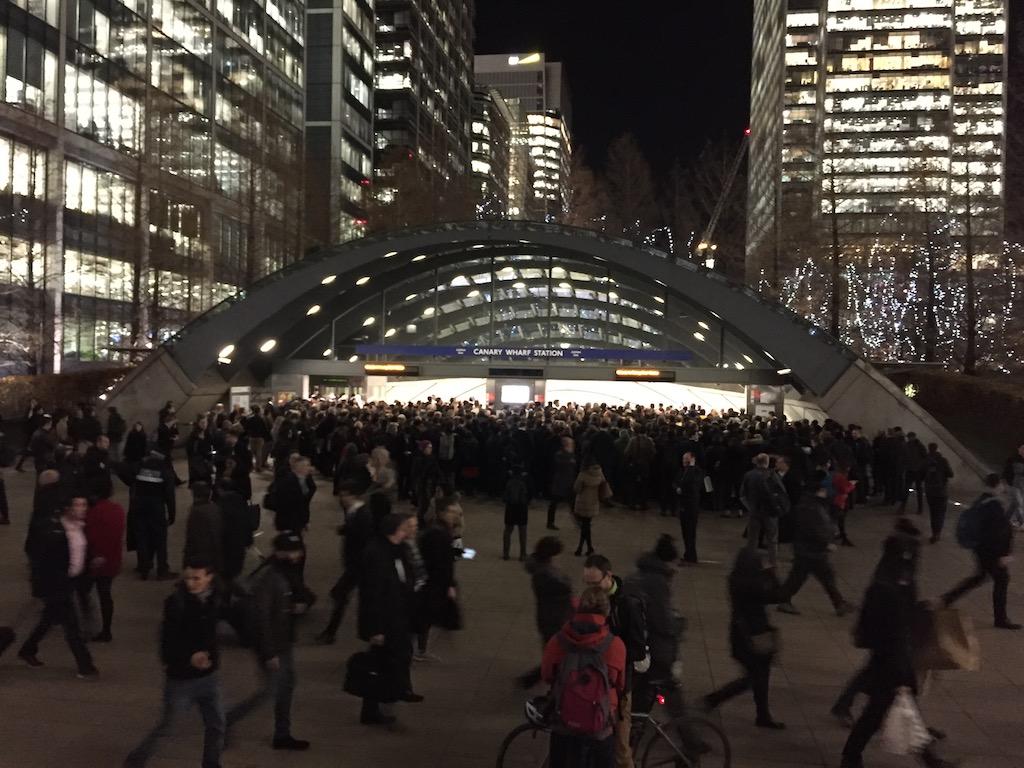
(661, 699)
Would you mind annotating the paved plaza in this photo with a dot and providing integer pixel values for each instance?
(51, 719)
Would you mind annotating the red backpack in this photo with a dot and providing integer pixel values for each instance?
(581, 690)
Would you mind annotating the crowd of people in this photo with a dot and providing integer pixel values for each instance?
(399, 472)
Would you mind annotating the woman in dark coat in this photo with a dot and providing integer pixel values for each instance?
(435, 602)
(563, 475)
(752, 586)
(553, 592)
(135, 444)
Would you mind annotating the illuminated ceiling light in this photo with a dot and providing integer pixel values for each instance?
(410, 328)
(313, 310)
(739, 366)
(472, 294)
(508, 269)
(565, 286)
(704, 325)
(784, 371)
(459, 280)
(659, 313)
(520, 284)
(565, 345)
(329, 279)
(221, 360)
(369, 321)
(698, 336)
(421, 257)
(558, 272)
(390, 332)
(268, 345)
(477, 247)
(749, 359)
(659, 299)
(715, 314)
(363, 280)
(766, 354)
(354, 358)
(411, 296)
(428, 311)
(103, 397)
(613, 295)
(226, 352)
(390, 254)
(327, 353)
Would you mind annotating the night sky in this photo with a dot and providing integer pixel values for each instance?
(676, 73)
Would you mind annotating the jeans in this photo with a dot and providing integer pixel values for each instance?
(986, 567)
(937, 512)
(279, 683)
(179, 696)
(59, 610)
(818, 567)
(770, 527)
(580, 752)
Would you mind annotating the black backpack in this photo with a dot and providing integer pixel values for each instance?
(774, 496)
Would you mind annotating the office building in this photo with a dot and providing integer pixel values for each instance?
(148, 157)
(423, 88)
(878, 140)
(491, 146)
(537, 91)
(339, 118)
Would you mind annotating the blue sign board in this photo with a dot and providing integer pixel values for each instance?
(521, 353)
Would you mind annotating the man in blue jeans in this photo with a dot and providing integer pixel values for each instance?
(188, 649)
(272, 621)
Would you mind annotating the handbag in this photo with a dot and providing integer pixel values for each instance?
(765, 643)
(944, 639)
(367, 676)
(904, 731)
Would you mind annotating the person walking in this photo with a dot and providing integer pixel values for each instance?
(58, 552)
(585, 635)
(116, 428)
(937, 474)
(104, 532)
(885, 629)
(151, 511)
(563, 475)
(436, 600)
(292, 493)
(590, 490)
(652, 581)
(754, 641)
(842, 489)
(386, 614)
(43, 444)
(517, 510)
(1013, 475)
(33, 420)
(764, 497)
(992, 546)
(273, 625)
(135, 444)
(238, 528)
(356, 532)
(552, 593)
(425, 477)
(191, 661)
(812, 543)
(204, 530)
(689, 485)
(915, 458)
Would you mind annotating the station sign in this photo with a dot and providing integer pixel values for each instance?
(535, 354)
(643, 374)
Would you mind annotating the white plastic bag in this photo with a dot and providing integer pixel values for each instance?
(904, 731)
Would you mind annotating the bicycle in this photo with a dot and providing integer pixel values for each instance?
(683, 741)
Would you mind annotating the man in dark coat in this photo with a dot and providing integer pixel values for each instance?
(992, 553)
(274, 640)
(293, 491)
(238, 528)
(204, 530)
(936, 475)
(42, 445)
(59, 558)
(689, 485)
(116, 429)
(552, 592)
(563, 475)
(151, 511)
(653, 581)
(356, 532)
(386, 613)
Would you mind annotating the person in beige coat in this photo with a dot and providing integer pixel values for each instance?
(590, 488)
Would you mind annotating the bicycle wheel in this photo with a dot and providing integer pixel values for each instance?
(525, 747)
(669, 745)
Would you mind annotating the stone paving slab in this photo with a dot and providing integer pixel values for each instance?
(49, 718)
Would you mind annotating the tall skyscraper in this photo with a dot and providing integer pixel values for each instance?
(877, 159)
(148, 167)
(491, 146)
(537, 93)
(339, 118)
(423, 87)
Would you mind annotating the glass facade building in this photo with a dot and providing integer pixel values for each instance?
(541, 155)
(339, 118)
(878, 141)
(148, 167)
(490, 148)
(423, 87)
